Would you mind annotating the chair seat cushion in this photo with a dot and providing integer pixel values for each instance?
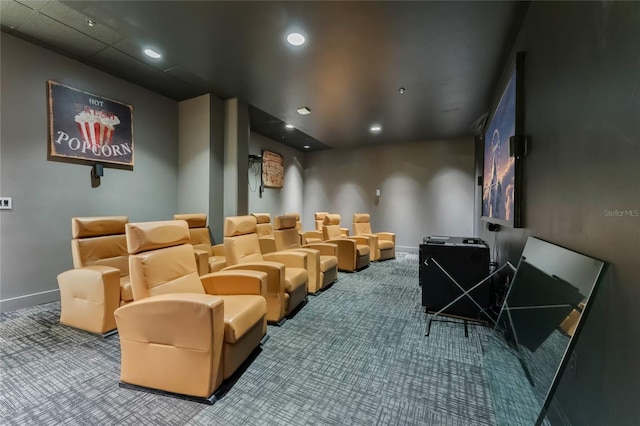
(385, 244)
(240, 314)
(217, 263)
(126, 294)
(328, 262)
(294, 278)
(363, 250)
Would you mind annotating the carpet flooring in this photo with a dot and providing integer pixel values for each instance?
(356, 354)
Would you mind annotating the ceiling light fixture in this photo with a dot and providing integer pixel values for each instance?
(304, 111)
(307, 147)
(295, 39)
(152, 54)
(402, 90)
(289, 126)
(376, 128)
(91, 22)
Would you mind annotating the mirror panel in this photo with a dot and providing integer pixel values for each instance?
(536, 329)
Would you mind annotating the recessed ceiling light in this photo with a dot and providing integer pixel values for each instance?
(304, 111)
(376, 128)
(296, 39)
(152, 54)
(402, 90)
(91, 22)
(307, 147)
(289, 126)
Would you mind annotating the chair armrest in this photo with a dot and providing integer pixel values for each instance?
(202, 261)
(312, 234)
(235, 282)
(344, 232)
(386, 236)
(325, 249)
(289, 259)
(361, 239)
(344, 243)
(182, 320)
(218, 250)
(274, 271)
(97, 284)
(267, 244)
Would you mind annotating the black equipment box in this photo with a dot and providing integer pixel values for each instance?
(467, 261)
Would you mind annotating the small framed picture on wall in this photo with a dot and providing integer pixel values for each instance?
(272, 170)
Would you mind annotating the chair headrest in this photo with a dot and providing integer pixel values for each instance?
(144, 236)
(239, 225)
(286, 221)
(262, 217)
(361, 218)
(320, 215)
(331, 219)
(194, 220)
(83, 227)
(297, 215)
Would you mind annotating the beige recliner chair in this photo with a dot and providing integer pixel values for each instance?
(209, 258)
(384, 242)
(322, 258)
(99, 282)
(353, 252)
(287, 275)
(178, 336)
(265, 232)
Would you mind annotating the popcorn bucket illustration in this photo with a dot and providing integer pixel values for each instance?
(96, 130)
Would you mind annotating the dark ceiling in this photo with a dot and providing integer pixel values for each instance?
(447, 55)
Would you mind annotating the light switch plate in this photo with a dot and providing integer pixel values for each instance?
(6, 203)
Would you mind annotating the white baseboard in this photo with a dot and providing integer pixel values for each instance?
(27, 300)
(407, 249)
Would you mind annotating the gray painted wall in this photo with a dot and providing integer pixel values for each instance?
(426, 188)
(35, 235)
(194, 157)
(287, 199)
(582, 90)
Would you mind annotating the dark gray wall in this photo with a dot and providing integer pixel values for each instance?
(582, 111)
(35, 235)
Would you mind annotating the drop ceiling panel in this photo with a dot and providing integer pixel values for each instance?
(63, 38)
(12, 14)
(119, 63)
(78, 21)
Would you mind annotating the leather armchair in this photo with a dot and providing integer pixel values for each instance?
(298, 226)
(287, 281)
(353, 252)
(265, 232)
(99, 283)
(322, 258)
(185, 333)
(384, 242)
(209, 258)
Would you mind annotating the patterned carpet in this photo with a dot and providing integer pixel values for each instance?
(356, 354)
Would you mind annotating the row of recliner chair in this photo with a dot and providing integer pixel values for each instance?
(188, 313)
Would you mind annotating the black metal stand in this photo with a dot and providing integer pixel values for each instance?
(465, 293)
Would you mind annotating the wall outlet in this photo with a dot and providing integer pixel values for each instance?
(6, 203)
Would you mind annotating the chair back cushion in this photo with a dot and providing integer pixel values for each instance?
(100, 241)
(194, 220)
(200, 239)
(161, 259)
(361, 224)
(319, 218)
(263, 224)
(298, 221)
(331, 227)
(286, 234)
(241, 243)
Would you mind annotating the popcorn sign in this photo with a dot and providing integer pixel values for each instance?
(89, 127)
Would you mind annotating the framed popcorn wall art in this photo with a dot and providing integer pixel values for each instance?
(272, 170)
(88, 127)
